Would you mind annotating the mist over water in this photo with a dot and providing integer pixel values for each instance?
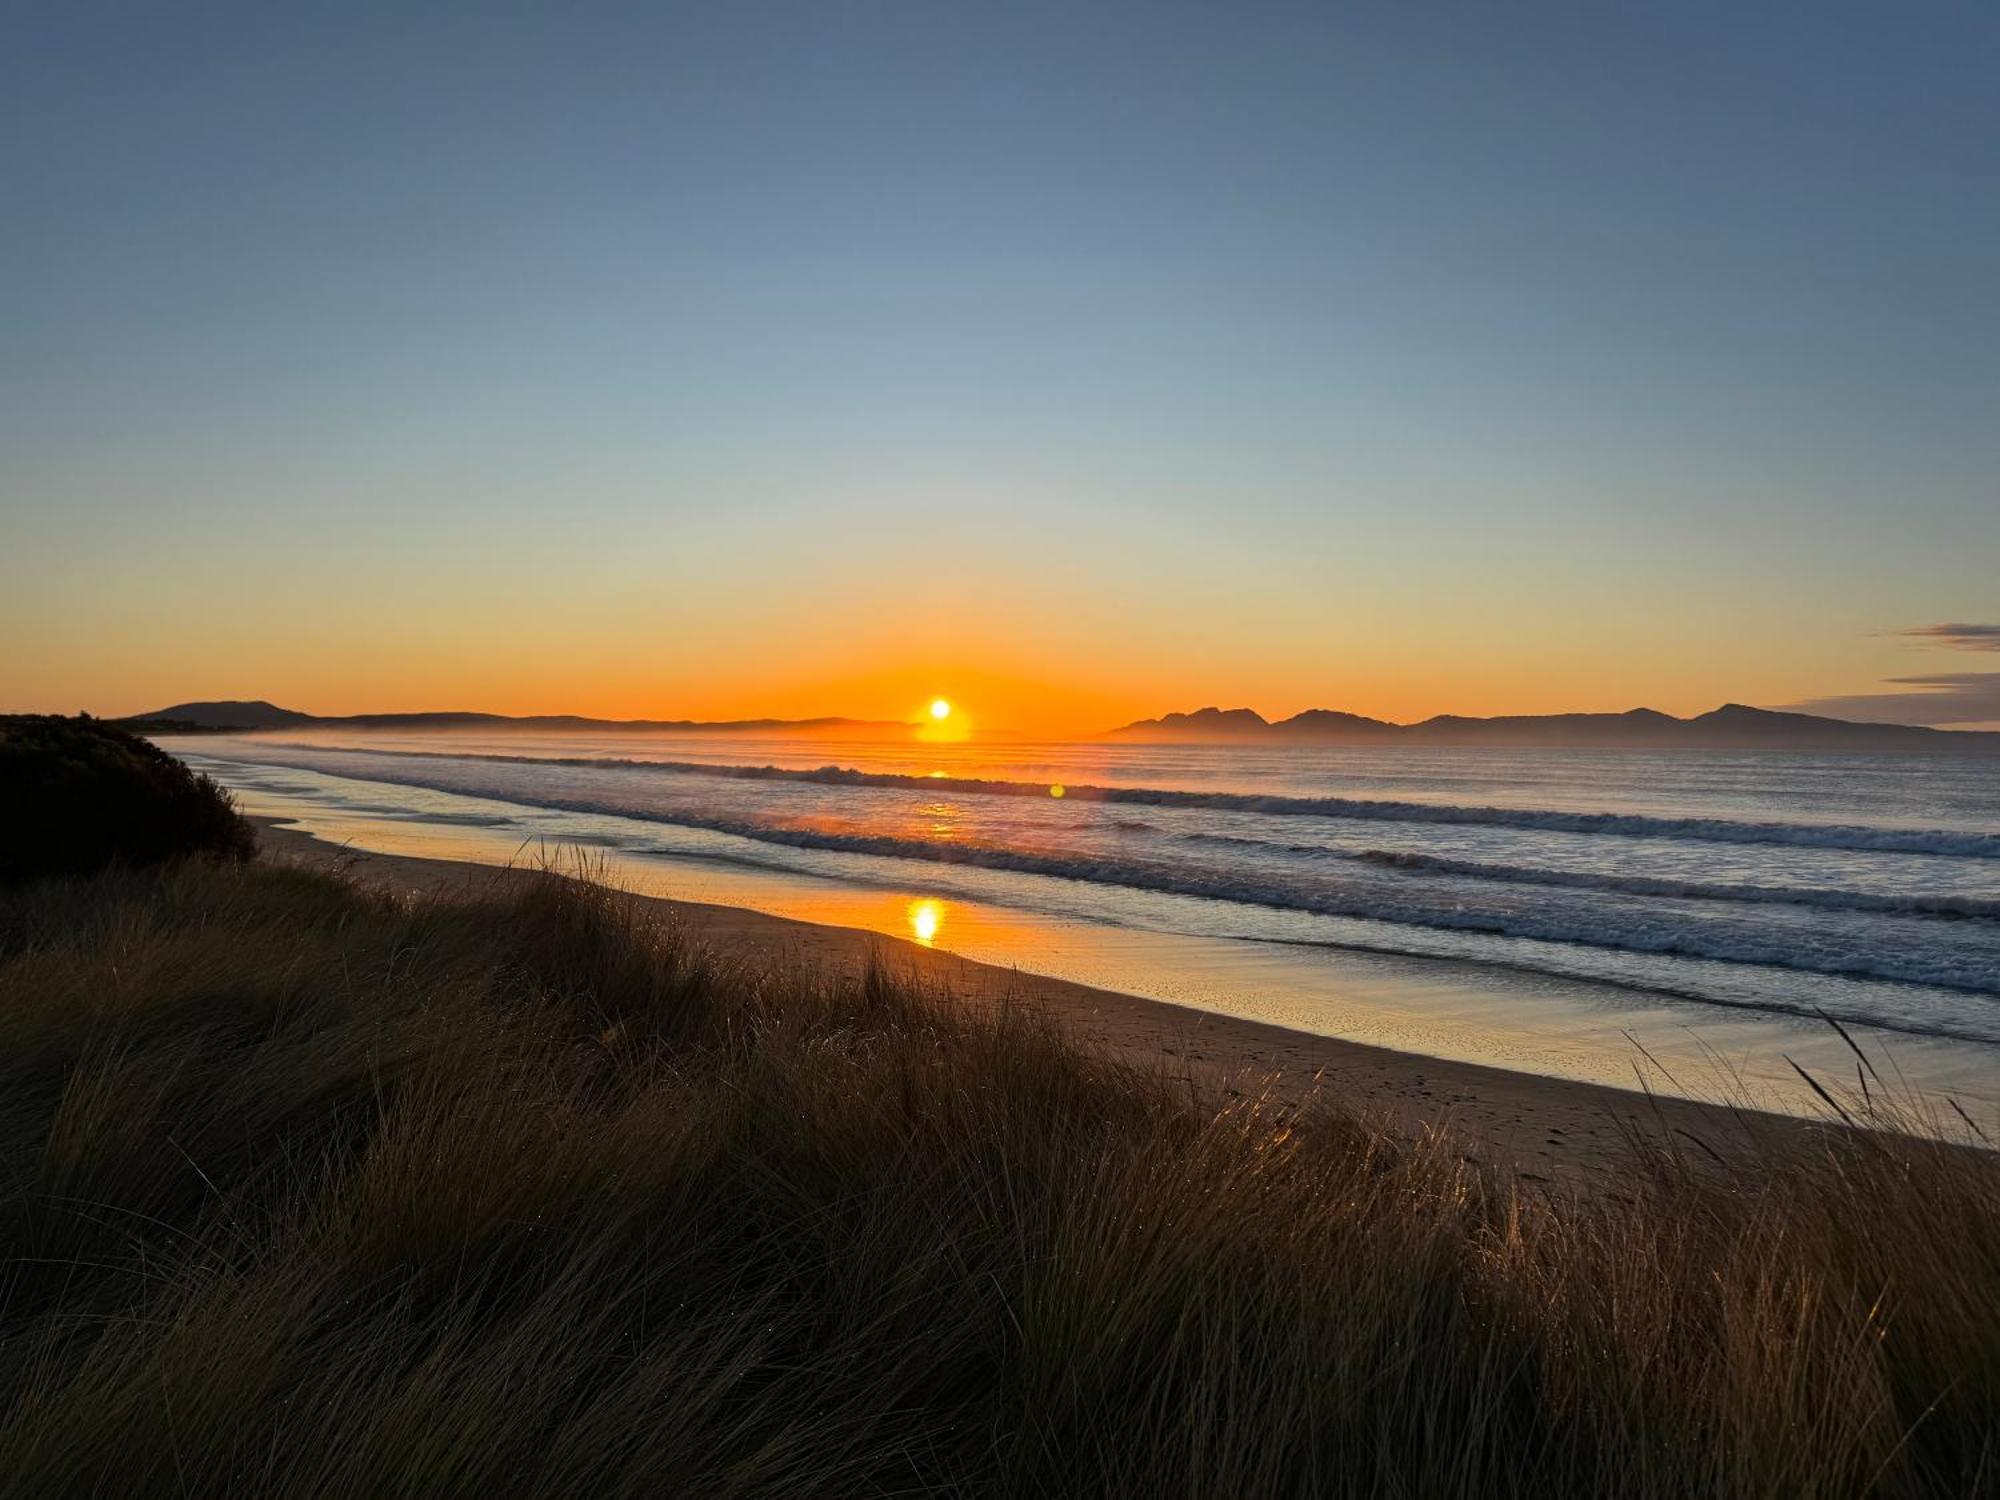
(1866, 887)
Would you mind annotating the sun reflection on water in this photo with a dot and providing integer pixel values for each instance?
(925, 918)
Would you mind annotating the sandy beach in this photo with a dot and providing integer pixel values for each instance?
(1546, 1128)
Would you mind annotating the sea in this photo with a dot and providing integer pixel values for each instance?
(1623, 916)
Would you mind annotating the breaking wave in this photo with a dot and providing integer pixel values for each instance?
(1861, 838)
(1628, 926)
(1823, 897)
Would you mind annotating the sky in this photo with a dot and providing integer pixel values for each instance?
(1080, 362)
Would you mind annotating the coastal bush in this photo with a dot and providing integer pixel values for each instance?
(76, 794)
(314, 1191)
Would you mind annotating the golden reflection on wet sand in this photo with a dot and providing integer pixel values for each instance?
(925, 917)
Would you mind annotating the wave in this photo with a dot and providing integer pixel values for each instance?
(1856, 837)
(1766, 1005)
(1825, 898)
(1627, 928)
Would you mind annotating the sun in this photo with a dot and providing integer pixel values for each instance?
(942, 722)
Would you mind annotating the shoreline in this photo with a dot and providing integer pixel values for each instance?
(1544, 1128)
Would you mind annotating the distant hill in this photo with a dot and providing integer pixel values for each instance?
(1731, 727)
(226, 713)
(241, 715)
(1204, 724)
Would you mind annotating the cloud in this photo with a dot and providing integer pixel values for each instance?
(1946, 698)
(1963, 637)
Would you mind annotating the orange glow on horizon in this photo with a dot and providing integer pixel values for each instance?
(941, 723)
(1059, 643)
(1021, 682)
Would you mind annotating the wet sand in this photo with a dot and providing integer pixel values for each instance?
(1545, 1128)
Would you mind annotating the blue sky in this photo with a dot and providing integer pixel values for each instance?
(1403, 358)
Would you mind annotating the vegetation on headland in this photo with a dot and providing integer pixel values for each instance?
(77, 794)
(312, 1190)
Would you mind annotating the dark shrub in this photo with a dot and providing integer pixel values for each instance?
(77, 794)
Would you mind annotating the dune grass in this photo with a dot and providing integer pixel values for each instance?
(315, 1192)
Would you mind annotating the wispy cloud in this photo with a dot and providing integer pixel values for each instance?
(1946, 698)
(1963, 637)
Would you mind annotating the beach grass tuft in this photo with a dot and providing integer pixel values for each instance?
(314, 1190)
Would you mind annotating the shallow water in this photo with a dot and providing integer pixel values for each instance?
(1523, 907)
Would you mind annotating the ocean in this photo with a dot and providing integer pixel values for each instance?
(1698, 890)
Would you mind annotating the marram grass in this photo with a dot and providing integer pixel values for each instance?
(309, 1191)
